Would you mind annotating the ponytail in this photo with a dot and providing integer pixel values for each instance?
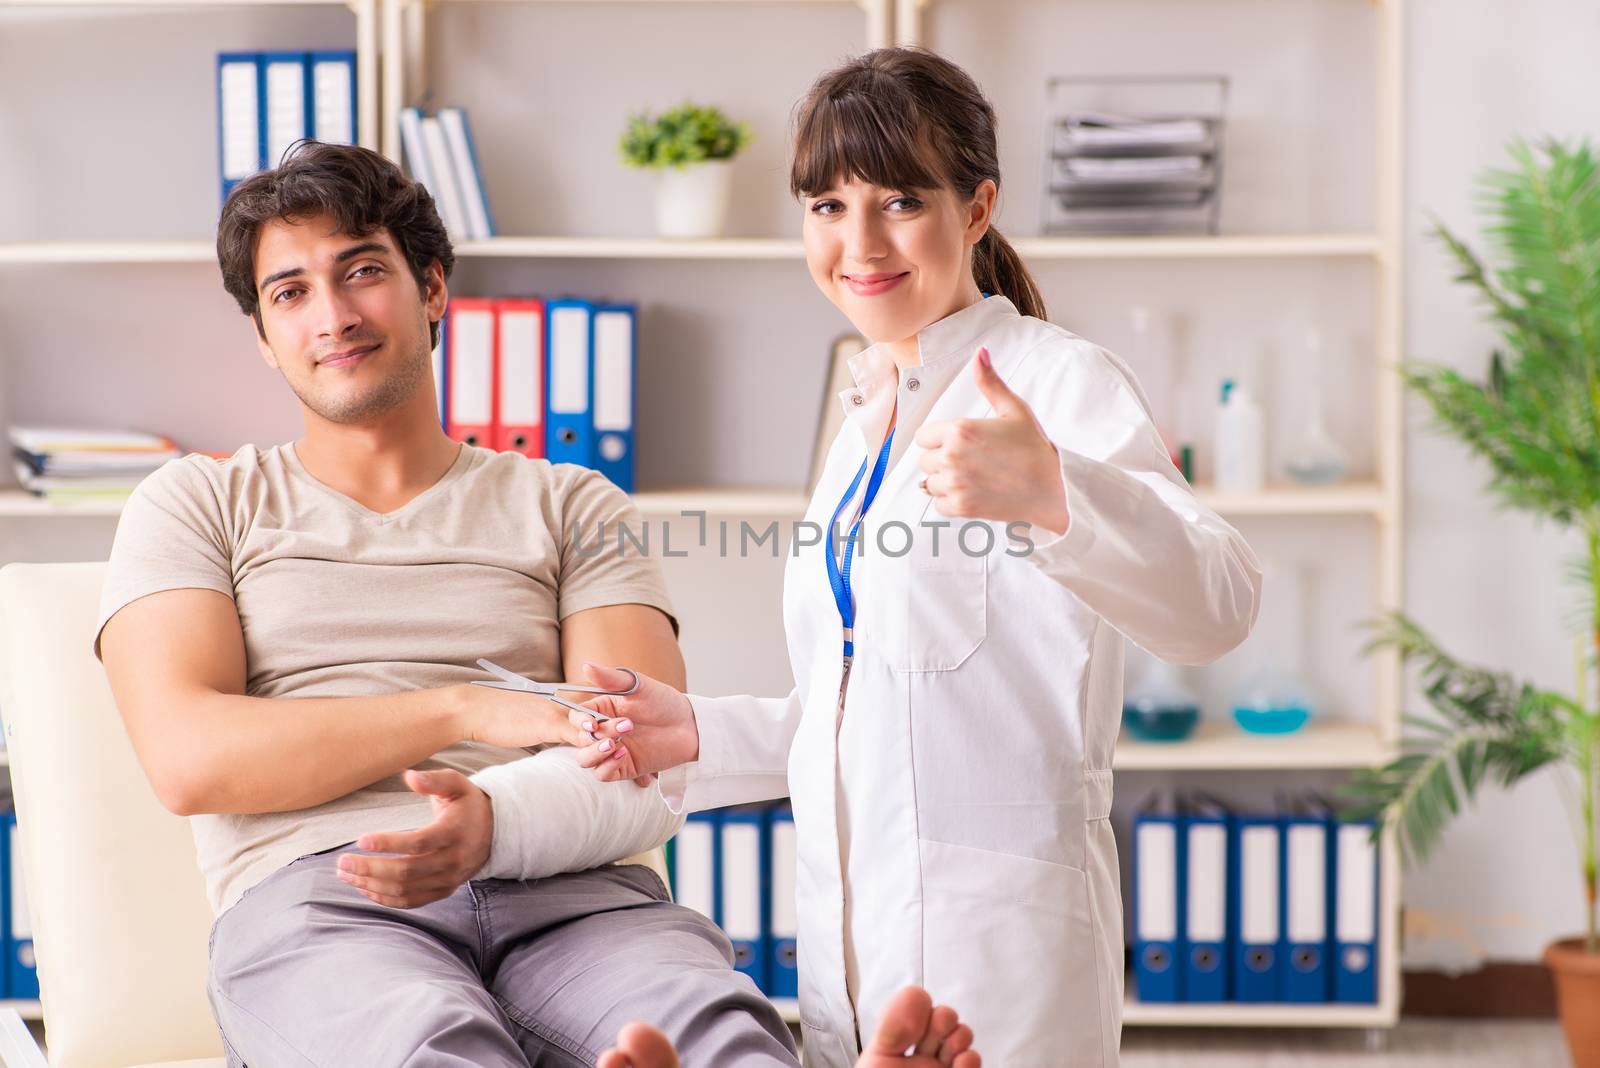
(998, 269)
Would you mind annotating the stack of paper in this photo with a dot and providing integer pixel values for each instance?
(77, 464)
(1123, 173)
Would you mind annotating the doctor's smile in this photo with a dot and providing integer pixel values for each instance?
(872, 285)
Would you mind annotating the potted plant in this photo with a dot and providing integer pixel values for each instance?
(691, 148)
(1536, 420)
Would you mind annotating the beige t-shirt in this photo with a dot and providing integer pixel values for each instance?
(336, 600)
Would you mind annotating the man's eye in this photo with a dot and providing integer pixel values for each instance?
(369, 267)
(284, 294)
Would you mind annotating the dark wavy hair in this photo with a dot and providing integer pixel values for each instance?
(362, 191)
(906, 118)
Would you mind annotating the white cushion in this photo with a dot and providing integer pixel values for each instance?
(120, 918)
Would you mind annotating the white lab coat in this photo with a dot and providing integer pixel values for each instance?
(953, 824)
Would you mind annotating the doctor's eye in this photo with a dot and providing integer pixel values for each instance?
(904, 204)
(826, 207)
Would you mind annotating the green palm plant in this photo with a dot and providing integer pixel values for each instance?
(1536, 420)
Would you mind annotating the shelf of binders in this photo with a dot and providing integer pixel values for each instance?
(1238, 246)
(1355, 498)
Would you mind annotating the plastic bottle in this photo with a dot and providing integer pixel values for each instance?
(1315, 459)
(1156, 356)
(1240, 467)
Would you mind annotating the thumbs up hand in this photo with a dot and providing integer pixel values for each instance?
(1003, 467)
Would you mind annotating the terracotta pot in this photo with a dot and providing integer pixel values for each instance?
(1578, 995)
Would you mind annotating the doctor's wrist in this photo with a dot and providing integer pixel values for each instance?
(690, 732)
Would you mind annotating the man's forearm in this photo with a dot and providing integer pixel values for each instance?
(551, 816)
(255, 754)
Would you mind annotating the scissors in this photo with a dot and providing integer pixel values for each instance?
(548, 690)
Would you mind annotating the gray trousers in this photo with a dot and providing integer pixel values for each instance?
(306, 971)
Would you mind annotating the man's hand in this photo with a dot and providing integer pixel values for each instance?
(514, 720)
(431, 862)
(651, 729)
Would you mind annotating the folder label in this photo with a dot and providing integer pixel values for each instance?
(693, 864)
(1208, 899)
(241, 141)
(1357, 870)
(569, 363)
(613, 373)
(333, 99)
(1308, 864)
(1157, 891)
(521, 338)
(741, 897)
(286, 106)
(471, 372)
(783, 955)
(1258, 860)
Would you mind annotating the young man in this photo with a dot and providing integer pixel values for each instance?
(290, 635)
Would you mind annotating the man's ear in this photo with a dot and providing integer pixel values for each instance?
(267, 355)
(980, 214)
(437, 294)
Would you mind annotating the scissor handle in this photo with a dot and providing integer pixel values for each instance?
(633, 687)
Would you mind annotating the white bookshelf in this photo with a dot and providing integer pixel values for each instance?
(1327, 744)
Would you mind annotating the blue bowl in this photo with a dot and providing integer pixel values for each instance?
(1160, 723)
(1284, 720)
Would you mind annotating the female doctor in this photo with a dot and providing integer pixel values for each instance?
(948, 744)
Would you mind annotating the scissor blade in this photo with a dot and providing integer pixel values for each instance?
(519, 682)
(519, 688)
(540, 693)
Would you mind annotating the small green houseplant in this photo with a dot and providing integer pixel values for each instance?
(690, 147)
(1535, 418)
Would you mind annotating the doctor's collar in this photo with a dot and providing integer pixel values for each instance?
(869, 404)
(962, 330)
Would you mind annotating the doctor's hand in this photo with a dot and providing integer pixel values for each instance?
(651, 729)
(1003, 467)
(429, 863)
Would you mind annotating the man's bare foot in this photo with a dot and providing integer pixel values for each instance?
(639, 1046)
(913, 1034)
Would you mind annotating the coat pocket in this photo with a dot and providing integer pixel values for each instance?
(942, 615)
(1009, 942)
(821, 1048)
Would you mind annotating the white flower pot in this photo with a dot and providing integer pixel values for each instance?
(692, 201)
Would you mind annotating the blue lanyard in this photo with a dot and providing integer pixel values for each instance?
(839, 577)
